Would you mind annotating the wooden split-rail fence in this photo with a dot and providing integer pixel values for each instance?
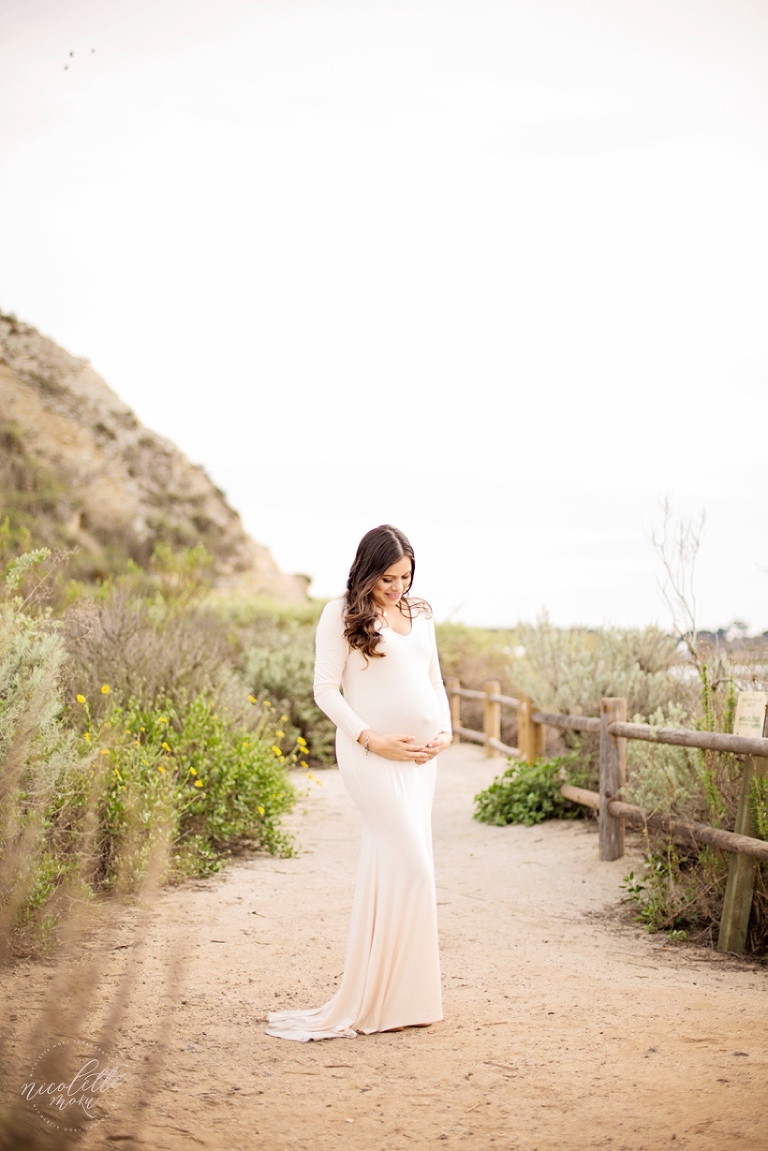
(613, 814)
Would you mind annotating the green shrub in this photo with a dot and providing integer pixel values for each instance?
(275, 662)
(284, 676)
(662, 777)
(182, 766)
(90, 788)
(38, 756)
(571, 669)
(529, 793)
(681, 890)
(683, 887)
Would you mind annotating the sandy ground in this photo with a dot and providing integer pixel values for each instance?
(565, 1025)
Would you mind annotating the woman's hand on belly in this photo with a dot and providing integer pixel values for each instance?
(436, 745)
(401, 748)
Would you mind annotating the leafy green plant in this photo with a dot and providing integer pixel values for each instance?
(185, 767)
(633, 887)
(681, 892)
(93, 791)
(529, 793)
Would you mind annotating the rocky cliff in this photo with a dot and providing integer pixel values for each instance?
(78, 468)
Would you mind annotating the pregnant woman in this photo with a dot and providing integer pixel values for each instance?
(378, 645)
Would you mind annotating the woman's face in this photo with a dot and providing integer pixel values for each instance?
(392, 585)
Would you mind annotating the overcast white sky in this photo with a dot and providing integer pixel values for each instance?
(494, 272)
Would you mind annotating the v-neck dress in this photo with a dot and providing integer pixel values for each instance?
(392, 969)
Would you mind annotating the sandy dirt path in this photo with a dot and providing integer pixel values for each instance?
(565, 1026)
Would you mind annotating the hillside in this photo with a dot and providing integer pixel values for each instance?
(77, 468)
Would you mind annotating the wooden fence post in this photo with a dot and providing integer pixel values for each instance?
(455, 701)
(524, 733)
(530, 734)
(613, 773)
(741, 871)
(538, 734)
(491, 716)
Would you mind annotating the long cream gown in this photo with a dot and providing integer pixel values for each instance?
(392, 966)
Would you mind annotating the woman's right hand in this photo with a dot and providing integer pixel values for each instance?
(401, 748)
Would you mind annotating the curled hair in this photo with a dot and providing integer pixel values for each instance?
(378, 550)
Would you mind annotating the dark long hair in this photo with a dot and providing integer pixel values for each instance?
(378, 549)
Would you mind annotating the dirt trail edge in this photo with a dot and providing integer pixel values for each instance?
(564, 1028)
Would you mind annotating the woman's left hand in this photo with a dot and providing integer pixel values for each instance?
(435, 746)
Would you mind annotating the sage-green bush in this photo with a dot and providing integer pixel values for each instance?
(275, 661)
(43, 774)
(284, 676)
(570, 670)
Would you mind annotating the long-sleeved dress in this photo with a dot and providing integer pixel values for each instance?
(392, 966)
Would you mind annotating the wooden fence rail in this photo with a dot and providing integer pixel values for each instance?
(746, 850)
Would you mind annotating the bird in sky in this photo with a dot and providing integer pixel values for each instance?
(66, 66)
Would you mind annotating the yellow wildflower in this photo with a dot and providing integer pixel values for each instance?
(165, 745)
(261, 810)
(303, 764)
(301, 741)
(81, 699)
(117, 773)
(283, 718)
(198, 783)
(160, 768)
(245, 743)
(279, 734)
(163, 719)
(276, 749)
(250, 697)
(104, 751)
(105, 689)
(192, 771)
(87, 737)
(267, 703)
